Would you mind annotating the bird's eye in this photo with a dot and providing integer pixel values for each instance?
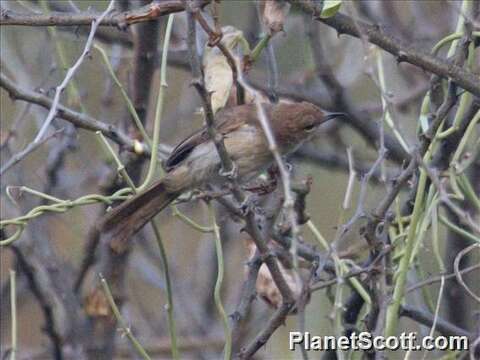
(309, 127)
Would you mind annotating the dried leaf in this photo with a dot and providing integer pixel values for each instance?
(218, 74)
(96, 304)
(265, 285)
(274, 13)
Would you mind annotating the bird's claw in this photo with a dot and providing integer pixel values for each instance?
(248, 205)
(230, 174)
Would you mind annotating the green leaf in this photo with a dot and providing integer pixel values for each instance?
(330, 8)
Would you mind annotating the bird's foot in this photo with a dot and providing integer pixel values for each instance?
(249, 205)
(231, 173)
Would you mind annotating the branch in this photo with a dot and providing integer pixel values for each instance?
(71, 72)
(44, 301)
(145, 13)
(31, 147)
(198, 81)
(458, 275)
(334, 161)
(435, 121)
(248, 296)
(437, 278)
(113, 259)
(444, 327)
(78, 119)
(403, 52)
(261, 339)
(228, 168)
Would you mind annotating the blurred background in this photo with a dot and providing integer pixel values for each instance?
(61, 253)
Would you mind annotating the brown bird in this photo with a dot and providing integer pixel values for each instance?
(195, 160)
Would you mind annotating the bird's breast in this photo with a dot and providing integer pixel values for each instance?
(249, 150)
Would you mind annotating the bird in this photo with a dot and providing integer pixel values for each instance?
(195, 160)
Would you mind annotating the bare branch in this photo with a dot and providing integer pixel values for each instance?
(145, 13)
(403, 52)
(78, 119)
(15, 159)
(443, 327)
(69, 75)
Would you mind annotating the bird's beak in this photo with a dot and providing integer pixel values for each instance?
(332, 115)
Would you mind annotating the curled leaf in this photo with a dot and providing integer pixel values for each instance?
(96, 304)
(265, 285)
(218, 74)
(330, 8)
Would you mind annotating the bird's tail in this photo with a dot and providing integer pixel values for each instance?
(129, 217)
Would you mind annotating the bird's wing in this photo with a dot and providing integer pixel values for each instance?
(228, 120)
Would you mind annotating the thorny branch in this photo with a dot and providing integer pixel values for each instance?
(228, 168)
(404, 53)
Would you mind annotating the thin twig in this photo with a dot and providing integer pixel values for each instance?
(198, 81)
(228, 169)
(227, 351)
(458, 274)
(425, 318)
(438, 278)
(262, 337)
(437, 310)
(126, 329)
(403, 52)
(288, 203)
(172, 327)
(80, 120)
(57, 207)
(71, 72)
(44, 301)
(30, 148)
(13, 307)
(159, 107)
